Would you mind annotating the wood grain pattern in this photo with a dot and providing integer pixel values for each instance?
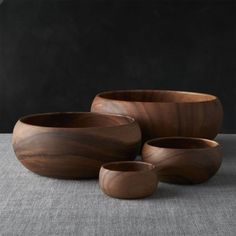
(128, 180)
(163, 113)
(74, 145)
(183, 160)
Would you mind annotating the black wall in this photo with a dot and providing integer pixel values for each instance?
(55, 55)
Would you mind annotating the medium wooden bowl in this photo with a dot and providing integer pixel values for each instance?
(74, 145)
(162, 113)
(128, 179)
(183, 160)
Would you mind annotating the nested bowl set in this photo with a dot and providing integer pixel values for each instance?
(172, 131)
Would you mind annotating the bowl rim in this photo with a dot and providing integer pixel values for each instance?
(141, 163)
(131, 119)
(215, 143)
(212, 97)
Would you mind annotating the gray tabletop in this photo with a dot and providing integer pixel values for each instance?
(35, 205)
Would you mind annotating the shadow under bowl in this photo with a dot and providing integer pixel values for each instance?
(74, 145)
(128, 179)
(163, 113)
(183, 160)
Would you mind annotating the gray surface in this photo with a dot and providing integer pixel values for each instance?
(34, 205)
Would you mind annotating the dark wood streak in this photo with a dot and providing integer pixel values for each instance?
(85, 144)
(74, 149)
(183, 160)
(163, 113)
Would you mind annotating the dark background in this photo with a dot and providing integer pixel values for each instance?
(55, 55)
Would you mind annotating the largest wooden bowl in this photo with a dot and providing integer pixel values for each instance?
(74, 145)
(163, 113)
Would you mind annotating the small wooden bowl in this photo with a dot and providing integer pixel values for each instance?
(74, 145)
(128, 179)
(163, 113)
(183, 160)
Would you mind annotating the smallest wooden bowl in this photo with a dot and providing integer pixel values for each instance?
(183, 160)
(128, 179)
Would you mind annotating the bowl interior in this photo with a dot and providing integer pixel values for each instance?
(182, 143)
(161, 96)
(76, 120)
(129, 166)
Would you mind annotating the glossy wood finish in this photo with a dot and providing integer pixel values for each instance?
(74, 145)
(183, 160)
(163, 113)
(128, 180)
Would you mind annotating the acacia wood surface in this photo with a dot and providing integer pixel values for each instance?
(183, 160)
(128, 180)
(74, 145)
(162, 113)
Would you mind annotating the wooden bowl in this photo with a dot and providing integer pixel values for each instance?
(128, 179)
(183, 160)
(74, 145)
(162, 113)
